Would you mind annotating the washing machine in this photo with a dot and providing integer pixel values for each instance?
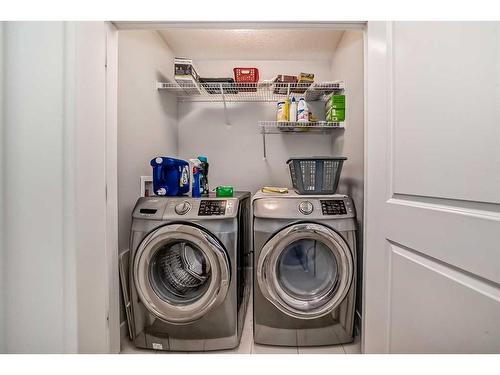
(189, 272)
(304, 269)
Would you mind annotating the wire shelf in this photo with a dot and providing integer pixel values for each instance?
(279, 127)
(249, 92)
(275, 127)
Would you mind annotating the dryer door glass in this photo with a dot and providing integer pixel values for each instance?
(305, 270)
(181, 272)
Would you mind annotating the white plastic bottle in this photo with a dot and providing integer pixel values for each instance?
(302, 111)
(292, 117)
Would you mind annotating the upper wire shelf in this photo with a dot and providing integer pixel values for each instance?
(249, 92)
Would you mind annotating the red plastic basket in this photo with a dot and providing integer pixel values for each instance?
(246, 75)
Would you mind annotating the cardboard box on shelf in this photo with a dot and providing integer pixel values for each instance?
(282, 82)
(304, 80)
(185, 74)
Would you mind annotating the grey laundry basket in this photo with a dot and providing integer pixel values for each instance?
(315, 175)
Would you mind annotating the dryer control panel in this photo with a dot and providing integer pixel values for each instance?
(310, 207)
(333, 207)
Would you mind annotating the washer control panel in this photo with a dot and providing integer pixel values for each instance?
(212, 207)
(335, 207)
(187, 208)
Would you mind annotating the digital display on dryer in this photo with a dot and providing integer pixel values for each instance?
(212, 208)
(333, 207)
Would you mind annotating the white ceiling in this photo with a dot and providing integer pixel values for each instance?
(251, 44)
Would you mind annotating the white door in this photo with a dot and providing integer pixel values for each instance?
(432, 266)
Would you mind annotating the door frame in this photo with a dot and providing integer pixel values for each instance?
(111, 162)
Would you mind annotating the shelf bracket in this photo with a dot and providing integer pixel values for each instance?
(226, 117)
(264, 144)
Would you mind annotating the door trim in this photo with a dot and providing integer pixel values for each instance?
(155, 25)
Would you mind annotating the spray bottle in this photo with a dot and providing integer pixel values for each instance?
(204, 176)
(293, 110)
(195, 189)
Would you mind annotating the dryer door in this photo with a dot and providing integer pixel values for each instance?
(305, 270)
(181, 272)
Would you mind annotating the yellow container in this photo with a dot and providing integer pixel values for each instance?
(282, 113)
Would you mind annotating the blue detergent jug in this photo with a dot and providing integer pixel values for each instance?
(170, 176)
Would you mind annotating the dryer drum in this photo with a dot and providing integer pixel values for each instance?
(307, 269)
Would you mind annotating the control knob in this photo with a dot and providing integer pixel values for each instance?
(306, 207)
(182, 208)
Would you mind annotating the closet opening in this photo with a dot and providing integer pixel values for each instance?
(230, 113)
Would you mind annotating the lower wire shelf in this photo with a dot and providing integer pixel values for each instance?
(278, 127)
(284, 127)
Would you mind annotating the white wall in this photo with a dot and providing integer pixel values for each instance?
(34, 212)
(235, 152)
(348, 65)
(147, 119)
(54, 188)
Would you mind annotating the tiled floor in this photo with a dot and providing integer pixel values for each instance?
(247, 346)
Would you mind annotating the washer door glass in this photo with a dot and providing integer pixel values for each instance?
(305, 270)
(181, 272)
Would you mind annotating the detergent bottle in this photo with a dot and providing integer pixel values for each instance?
(302, 111)
(195, 189)
(204, 190)
(170, 176)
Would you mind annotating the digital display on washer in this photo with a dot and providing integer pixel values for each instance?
(212, 208)
(333, 207)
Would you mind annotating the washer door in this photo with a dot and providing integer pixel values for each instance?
(305, 270)
(181, 272)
